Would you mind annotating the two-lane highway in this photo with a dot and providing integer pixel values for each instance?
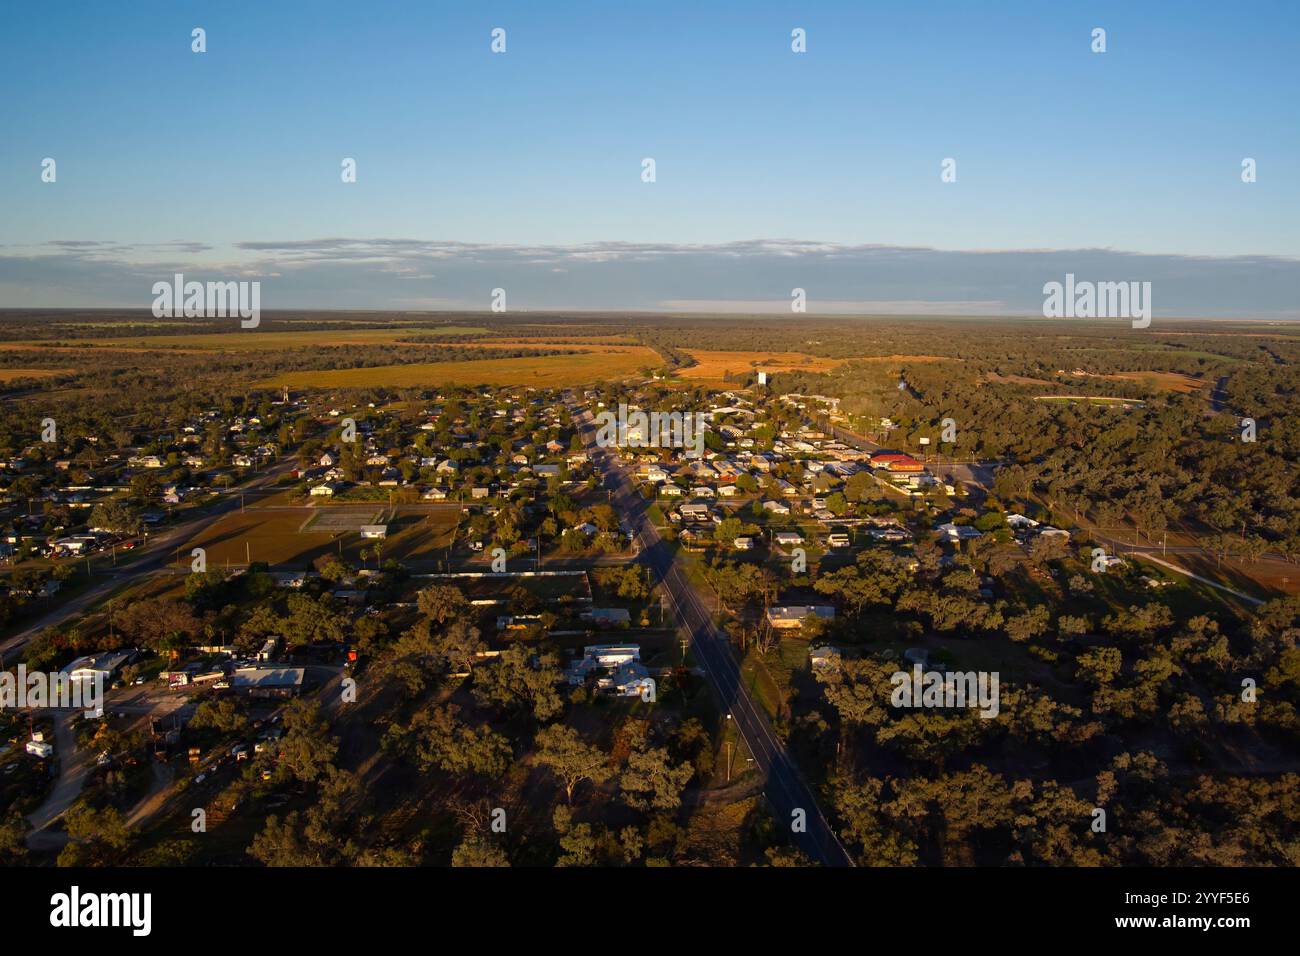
(791, 797)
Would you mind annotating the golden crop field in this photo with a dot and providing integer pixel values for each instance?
(714, 366)
(264, 340)
(1162, 381)
(609, 362)
(12, 374)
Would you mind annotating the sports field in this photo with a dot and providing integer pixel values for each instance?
(260, 535)
(289, 537)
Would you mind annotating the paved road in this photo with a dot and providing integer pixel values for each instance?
(786, 788)
(74, 765)
(154, 557)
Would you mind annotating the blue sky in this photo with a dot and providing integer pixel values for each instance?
(229, 160)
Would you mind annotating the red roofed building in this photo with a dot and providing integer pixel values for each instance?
(895, 462)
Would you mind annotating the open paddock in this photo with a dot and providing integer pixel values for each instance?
(558, 371)
(260, 535)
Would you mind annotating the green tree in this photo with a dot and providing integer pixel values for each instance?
(569, 757)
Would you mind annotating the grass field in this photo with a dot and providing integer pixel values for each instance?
(258, 535)
(260, 340)
(295, 537)
(1094, 399)
(13, 374)
(552, 371)
(1161, 381)
(420, 536)
(714, 366)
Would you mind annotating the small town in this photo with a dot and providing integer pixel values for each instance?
(855, 443)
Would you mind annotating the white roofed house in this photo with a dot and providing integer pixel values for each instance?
(103, 666)
(959, 532)
(616, 668)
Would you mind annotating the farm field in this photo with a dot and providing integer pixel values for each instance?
(1165, 381)
(258, 340)
(1158, 381)
(558, 371)
(712, 366)
(13, 374)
